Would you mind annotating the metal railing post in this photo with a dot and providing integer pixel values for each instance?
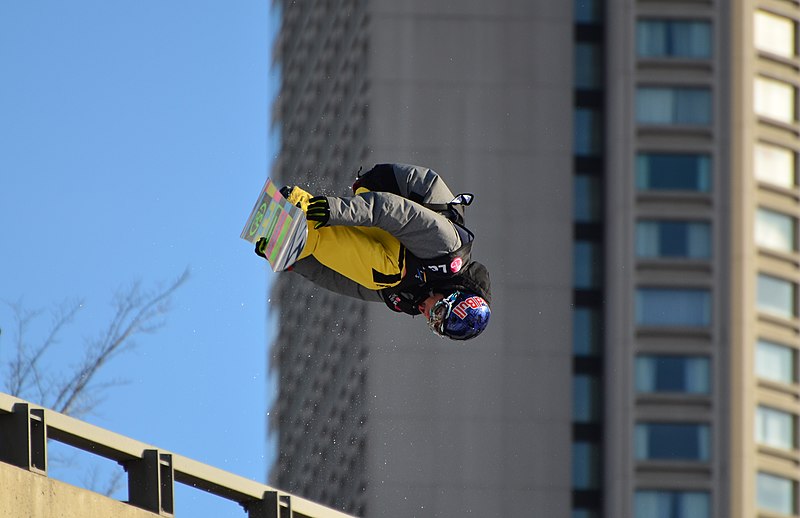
(287, 511)
(151, 482)
(23, 438)
(267, 507)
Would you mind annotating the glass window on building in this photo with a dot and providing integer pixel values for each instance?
(588, 65)
(588, 265)
(774, 99)
(588, 132)
(776, 230)
(673, 172)
(586, 331)
(585, 398)
(672, 441)
(588, 11)
(671, 504)
(668, 307)
(776, 362)
(673, 106)
(775, 165)
(775, 34)
(673, 38)
(776, 428)
(776, 494)
(777, 296)
(673, 374)
(588, 198)
(673, 239)
(585, 465)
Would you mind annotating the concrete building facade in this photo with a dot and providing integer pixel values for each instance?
(635, 166)
(701, 314)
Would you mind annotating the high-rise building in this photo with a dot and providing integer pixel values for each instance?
(635, 166)
(701, 255)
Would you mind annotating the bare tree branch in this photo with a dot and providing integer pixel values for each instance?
(136, 312)
(76, 390)
(25, 369)
(17, 366)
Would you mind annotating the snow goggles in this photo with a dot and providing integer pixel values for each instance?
(440, 312)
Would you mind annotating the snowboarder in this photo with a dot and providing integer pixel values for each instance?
(400, 240)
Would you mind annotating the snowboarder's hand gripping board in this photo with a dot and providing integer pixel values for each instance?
(277, 228)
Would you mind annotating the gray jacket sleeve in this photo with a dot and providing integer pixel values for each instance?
(323, 276)
(422, 231)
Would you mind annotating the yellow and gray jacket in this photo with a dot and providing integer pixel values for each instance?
(414, 205)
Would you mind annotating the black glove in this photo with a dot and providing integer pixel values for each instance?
(261, 247)
(319, 211)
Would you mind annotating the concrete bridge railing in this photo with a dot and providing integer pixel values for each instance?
(25, 429)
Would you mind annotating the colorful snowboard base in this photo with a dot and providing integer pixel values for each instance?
(282, 224)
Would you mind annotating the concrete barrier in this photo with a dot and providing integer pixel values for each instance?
(24, 494)
(27, 491)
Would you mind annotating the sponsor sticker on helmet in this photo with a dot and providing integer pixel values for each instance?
(455, 264)
(473, 302)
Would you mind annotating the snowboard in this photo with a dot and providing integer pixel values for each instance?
(282, 224)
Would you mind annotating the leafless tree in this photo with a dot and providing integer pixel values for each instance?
(136, 312)
(75, 390)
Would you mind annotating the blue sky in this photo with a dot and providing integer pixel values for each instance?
(134, 140)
